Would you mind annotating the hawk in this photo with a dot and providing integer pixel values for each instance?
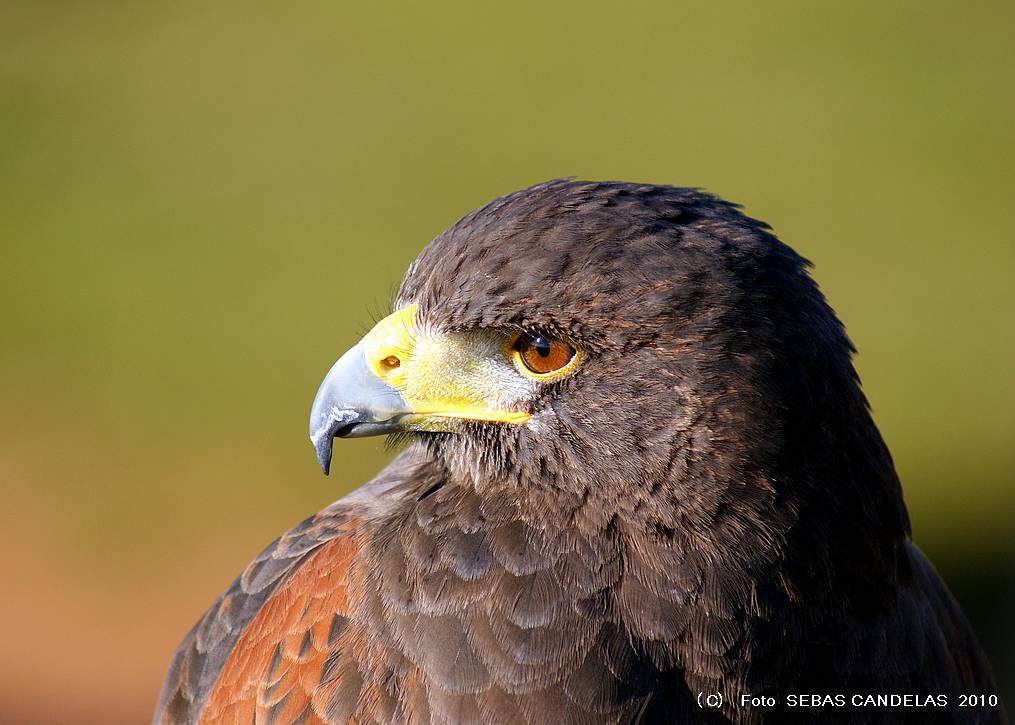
(639, 483)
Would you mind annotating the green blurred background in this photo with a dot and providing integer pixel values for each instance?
(202, 204)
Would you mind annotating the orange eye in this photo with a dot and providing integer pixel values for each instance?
(543, 354)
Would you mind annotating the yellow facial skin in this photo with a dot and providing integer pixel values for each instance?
(463, 375)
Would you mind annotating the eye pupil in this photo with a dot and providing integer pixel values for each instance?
(542, 346)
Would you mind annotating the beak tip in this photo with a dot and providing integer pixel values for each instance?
(322, 433)
(322, 446)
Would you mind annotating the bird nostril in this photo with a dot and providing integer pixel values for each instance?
(391, 362)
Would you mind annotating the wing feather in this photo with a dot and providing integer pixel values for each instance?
(235, 621)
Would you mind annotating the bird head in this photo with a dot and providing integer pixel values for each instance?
(579, 330)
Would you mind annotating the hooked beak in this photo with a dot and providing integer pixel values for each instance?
(359, 396)
(352, 402)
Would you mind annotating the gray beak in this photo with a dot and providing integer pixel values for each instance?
(352, 402)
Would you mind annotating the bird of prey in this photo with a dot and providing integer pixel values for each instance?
(639, 483)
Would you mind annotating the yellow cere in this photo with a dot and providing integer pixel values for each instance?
(387, 347)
